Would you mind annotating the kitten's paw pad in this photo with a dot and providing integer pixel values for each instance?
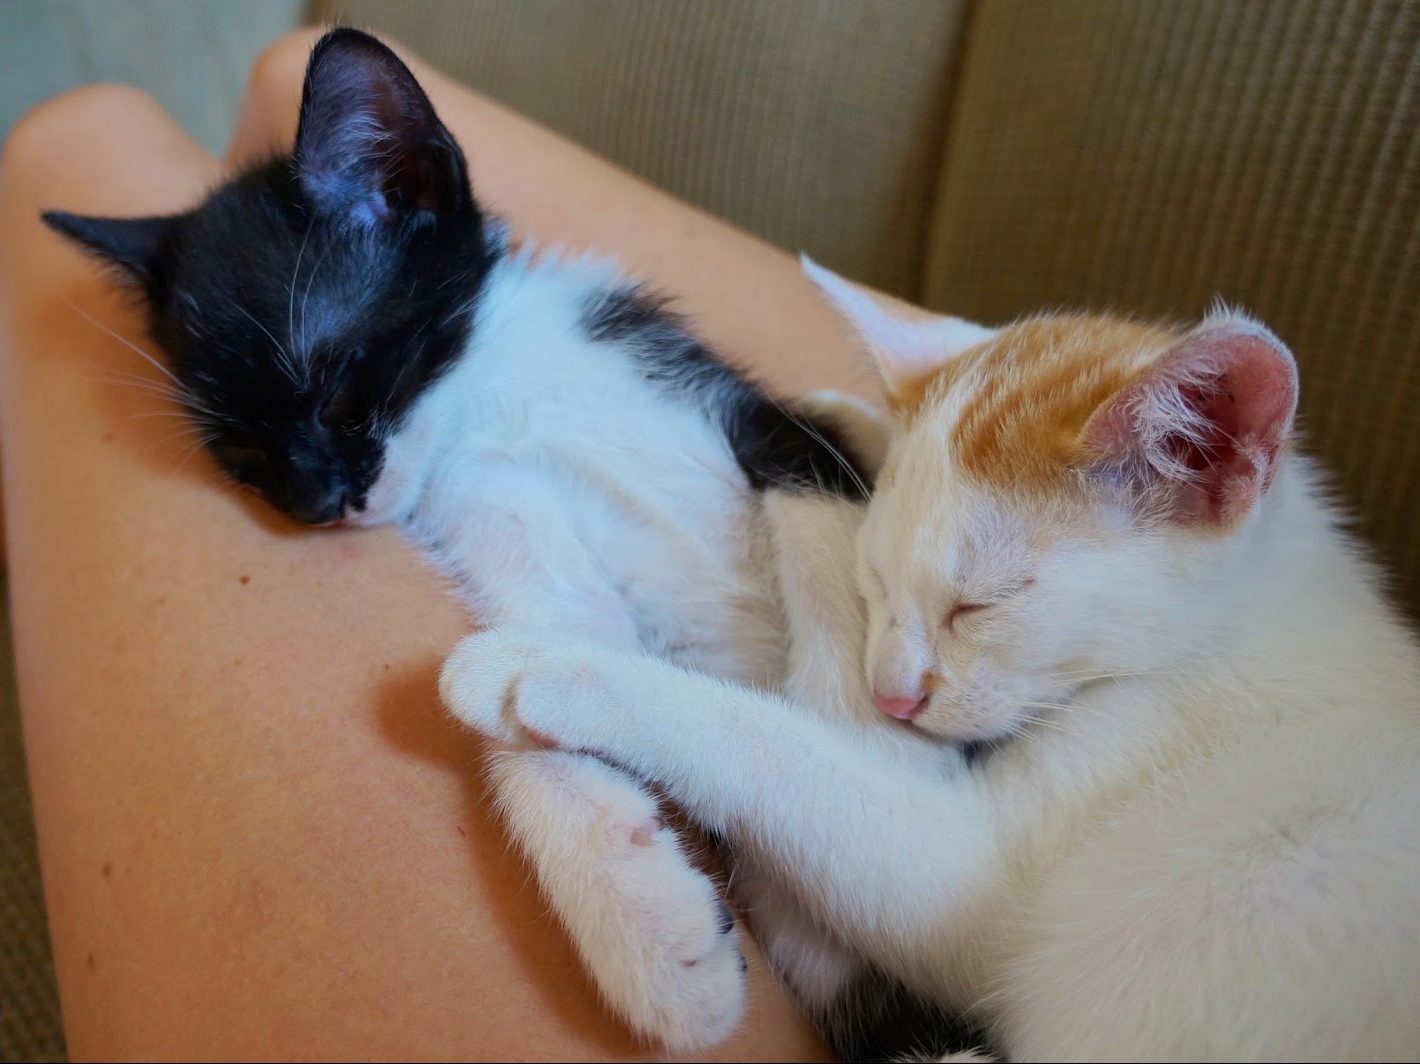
(482, 680)
(644, 833)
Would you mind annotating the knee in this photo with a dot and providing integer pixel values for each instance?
(280, 67)
(69, 123)
(267, 118)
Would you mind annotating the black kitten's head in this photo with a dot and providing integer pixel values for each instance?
(306, 303)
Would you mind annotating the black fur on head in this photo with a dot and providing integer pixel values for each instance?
(307, 302)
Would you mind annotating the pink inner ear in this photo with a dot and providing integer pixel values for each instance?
(1207, 423)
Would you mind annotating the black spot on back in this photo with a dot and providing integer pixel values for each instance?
(776, 445)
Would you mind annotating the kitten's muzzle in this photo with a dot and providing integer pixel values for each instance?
(321, 510)
(312, 494)
(901, 706)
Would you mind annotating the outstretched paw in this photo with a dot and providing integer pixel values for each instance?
(482, 680)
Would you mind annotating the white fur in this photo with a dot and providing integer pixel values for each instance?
(646, 922)
(901, 347)
(566, 494)
(1203, 844)
(565, 491)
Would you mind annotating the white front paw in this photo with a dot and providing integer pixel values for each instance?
(515, 685)
(480, 680)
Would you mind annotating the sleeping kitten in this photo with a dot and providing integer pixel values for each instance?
(1194, 830)
(360, 344)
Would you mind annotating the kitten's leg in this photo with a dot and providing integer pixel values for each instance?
(883, 839)
(815, 540)
(649, 926)
(812, 963)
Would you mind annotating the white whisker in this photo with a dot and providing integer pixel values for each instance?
(126, 343)
(287, 363)
(829, 447)
(291, 287)
(306, 297)
(144, 384)
(1062, 706)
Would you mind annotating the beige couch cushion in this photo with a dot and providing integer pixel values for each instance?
(815, 123)
(29, 1004)
(1149, 156)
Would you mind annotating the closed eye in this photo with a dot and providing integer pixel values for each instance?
(962, 609)
(245, 462)
(966, 609)
(341, 411)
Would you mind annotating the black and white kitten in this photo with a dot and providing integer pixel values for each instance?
(361, 344)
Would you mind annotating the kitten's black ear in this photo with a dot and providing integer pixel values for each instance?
(132, 244)
(369, 145)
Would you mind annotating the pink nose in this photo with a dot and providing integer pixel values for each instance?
(903, 708)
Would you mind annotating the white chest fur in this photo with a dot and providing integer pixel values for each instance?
(563, 489)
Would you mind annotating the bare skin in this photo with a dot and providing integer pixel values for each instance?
(261, 835)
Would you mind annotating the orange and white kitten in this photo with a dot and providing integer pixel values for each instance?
(1194, 829)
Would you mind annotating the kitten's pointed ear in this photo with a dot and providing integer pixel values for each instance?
(906, 343)
(1200, 434)
(131, 244)
(369, 146)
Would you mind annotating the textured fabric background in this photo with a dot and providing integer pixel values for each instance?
(1149, 156)
(29, 1005)
(815, 123)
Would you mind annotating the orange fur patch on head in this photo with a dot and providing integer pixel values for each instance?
(1016, 407)
(907, 396)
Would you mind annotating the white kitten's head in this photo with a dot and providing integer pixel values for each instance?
(1059, 495)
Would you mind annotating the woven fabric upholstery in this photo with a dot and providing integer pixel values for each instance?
(29, 1006)
(1149, 156)
(815, 123)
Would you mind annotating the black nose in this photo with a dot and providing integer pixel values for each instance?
(319, 508)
